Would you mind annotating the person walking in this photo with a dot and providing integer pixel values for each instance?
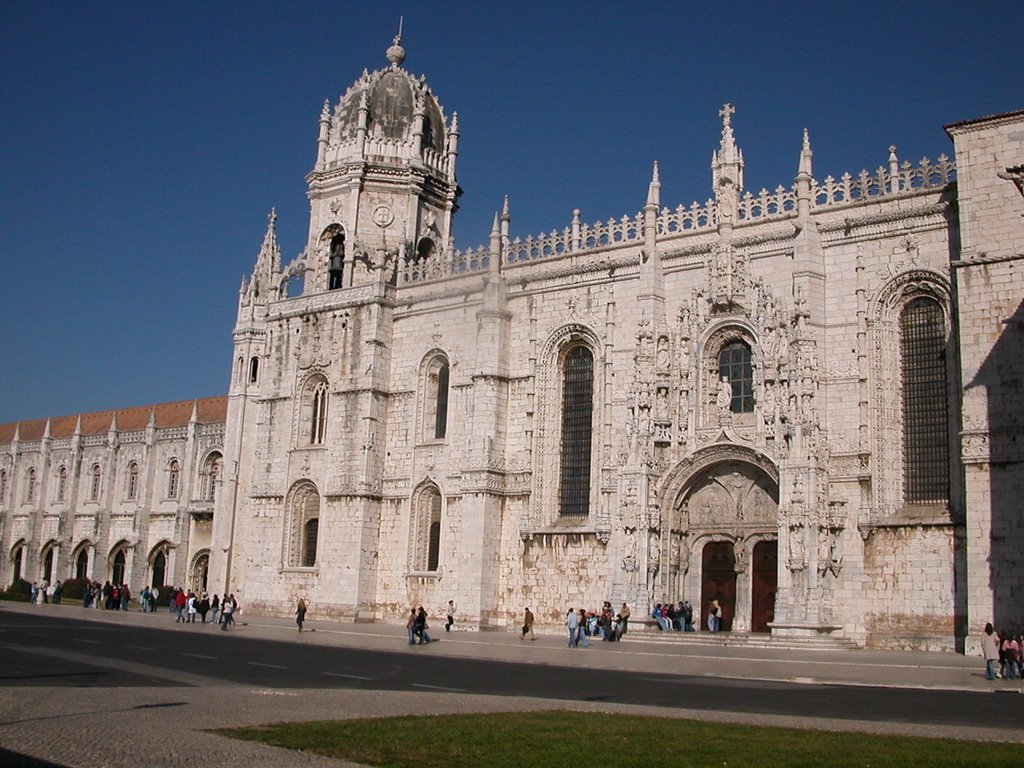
(179, 604)
(227, 613)
(410, 625)
(528, 625)
(300, 613)
(990, 650)
(214, 609)
(422, 626)
(624, 613)
(450, 612)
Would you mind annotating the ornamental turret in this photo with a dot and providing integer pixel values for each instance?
(383, 188)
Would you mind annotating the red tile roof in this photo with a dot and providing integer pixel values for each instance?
(209, 410)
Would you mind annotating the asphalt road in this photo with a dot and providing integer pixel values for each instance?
(46, 651)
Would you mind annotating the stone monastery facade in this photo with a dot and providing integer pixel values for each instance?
(804, 403)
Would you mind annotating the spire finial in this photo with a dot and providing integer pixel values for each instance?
(726, 113)
(272, 218)
(396, 53)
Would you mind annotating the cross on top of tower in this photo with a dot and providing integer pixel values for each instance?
(726, 113)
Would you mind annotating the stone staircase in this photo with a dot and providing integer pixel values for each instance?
(640, 632)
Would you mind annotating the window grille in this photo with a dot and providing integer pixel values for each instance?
(434, 549)
(133, 481)
(735, 366)
(441, 411)
(925, 407)
(303, 526)
(94, 488)
(310, 533)
(62, 483)
(426, 553)
(30, 487)
(577, 426)
(3, 484)
(318, 426)
(212, 477)
(173, 478)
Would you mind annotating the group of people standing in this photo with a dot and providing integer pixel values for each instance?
(1003, 648)
(111, 597)
(187, 605)
(44, 592)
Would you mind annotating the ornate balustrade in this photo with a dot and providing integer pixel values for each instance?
(764, 206)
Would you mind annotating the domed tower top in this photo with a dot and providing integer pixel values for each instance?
(384, 180)
(390, 116)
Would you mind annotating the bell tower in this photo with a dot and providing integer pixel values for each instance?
(383, 187)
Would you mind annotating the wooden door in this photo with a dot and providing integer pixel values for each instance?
(718, 581)
(766, 578)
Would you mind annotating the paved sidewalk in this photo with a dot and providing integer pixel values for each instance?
(162, 726)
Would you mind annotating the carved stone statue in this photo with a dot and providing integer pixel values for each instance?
(724, 399)
(662, 359)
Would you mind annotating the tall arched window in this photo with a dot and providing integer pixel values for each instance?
(3, 484)
(17, 561)
(427, 529)
(735, 367)
(62, 483)
(82, 564)
(30, 485)
(159, 569)
(94, 486)
(48, 565)
(925, 406)
(133, 481)
(211, 476)
(173, 479)
(304, 526)
(336, 262)
(577, 428)
(435, 399)
(318, 416)
(254, 370)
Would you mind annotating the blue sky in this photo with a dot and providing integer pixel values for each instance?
(142, 144)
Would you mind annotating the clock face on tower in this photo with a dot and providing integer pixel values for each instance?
(382, 216)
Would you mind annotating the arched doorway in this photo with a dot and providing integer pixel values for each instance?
(765, 572)
(159, 570)
(117, 568)
(82, 564)
(48, 566)
(718, 581)
(722, 503)
(17, 560)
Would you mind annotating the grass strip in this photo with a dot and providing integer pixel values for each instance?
(570, 739)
